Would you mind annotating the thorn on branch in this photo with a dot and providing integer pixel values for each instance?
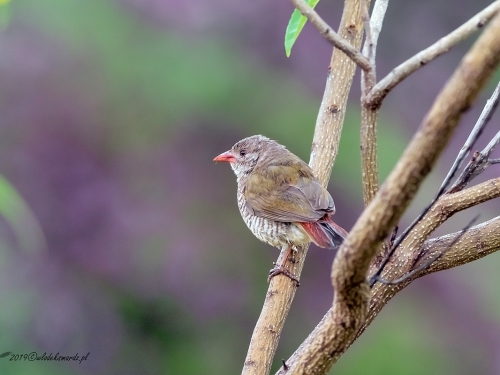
(351, 28)
(390, 241)
(334, 108)
(285, 366)
(249, 363)
(393, 235)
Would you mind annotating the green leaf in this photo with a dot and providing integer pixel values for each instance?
(295, 25)
(22, 220)
(4, 14)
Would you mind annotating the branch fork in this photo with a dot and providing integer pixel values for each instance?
(355, 304)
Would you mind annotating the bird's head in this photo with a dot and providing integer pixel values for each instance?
(245, 154)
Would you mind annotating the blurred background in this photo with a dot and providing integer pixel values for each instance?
(119, 236)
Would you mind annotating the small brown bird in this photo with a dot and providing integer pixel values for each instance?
(279, 198)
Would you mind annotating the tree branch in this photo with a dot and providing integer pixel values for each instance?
(329, 123)
(483, 239)
(376, 21)
(329, 34)
(439, 210)
(476, 166)
(382, 88)
(476, 243)
(334, 103)
(442, 210)
(341, 325)
(369, 164)
(428, 262)
(267, 331)
(369, 115)
(481, 123)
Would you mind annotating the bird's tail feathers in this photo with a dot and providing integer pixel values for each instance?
(325, 233)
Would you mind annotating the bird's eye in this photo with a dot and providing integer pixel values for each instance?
(243, 152)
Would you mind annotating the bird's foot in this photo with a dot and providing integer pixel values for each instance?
(291, 256)
(281, 270)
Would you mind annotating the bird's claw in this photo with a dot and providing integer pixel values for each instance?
(282, 271)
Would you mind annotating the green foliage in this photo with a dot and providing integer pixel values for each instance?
(4, 13)
(20, 217)
(295, 25)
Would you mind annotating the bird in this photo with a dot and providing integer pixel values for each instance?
(279, 198)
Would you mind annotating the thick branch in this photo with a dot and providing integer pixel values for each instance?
(329, 123)
(442, 46)
(350, 306)
(334, 103)
(465, 178)
(410, 254)
(267, 331)
(476, 243)
(445, 207)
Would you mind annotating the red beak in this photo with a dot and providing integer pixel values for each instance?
(226, 156)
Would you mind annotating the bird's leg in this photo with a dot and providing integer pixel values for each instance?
(292, 255)
(280, 268)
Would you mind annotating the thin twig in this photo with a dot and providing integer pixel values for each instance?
(373, 27)
(369, 115)
(330, 35)
(481, 123)
(480, 160)
(368, 46)
(382, 88)
(426, 264)
(479, 241)
(476, 166)
(491, 146)
(399, 240)
(376, 21)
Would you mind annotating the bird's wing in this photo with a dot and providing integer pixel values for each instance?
(287, 193)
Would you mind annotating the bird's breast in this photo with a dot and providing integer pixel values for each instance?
(274, 233)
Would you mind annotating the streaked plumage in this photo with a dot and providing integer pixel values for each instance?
(279, 198)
